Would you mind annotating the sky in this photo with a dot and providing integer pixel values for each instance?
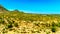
(33, 6)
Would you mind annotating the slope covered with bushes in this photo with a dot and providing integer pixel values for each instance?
(20, 22)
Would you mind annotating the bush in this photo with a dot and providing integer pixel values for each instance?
(53, 29)
(53, 24)
(58, 24)
(9, 26)
(16, 24)
(2, 21)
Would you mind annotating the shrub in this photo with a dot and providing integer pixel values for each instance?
(53, 29)
(16, 24)
(47, 32)
(58, 24)
(9, 26)
(4, 30)
(2, 21)
(53, 24)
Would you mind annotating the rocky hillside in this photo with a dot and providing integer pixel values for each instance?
(18, 22)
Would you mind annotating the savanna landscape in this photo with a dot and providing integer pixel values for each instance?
(18, 22)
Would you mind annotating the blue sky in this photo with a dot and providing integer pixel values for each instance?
(33, 6)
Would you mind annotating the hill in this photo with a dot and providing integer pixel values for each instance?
(2, 9)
